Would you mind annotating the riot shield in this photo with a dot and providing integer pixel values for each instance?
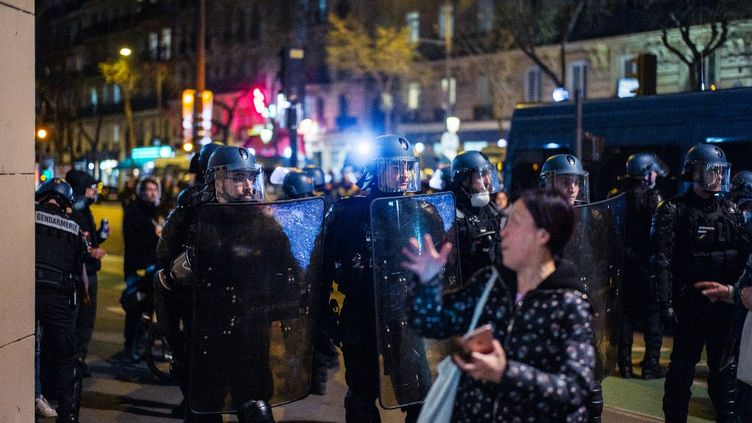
(405, 358)
(258, 276)
(597, 248)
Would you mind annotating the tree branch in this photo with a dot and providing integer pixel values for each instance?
(676, 51)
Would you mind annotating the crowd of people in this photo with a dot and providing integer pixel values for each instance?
(687, 269)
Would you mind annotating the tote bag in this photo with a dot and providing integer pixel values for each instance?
(438, 405)
(744, 369)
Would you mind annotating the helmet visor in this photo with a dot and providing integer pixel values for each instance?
(575, 187)
(243, 184)
(398, 175)
(713, 177)
(660, 167)
(484, 179)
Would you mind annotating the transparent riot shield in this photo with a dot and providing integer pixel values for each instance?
(597, 248)
(405, 358)
(257, 268)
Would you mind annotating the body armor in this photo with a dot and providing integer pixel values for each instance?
(478, 230)
(349, 246)
(60, 249)
(696, 240)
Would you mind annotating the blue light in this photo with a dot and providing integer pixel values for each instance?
(551, 146)
(560, 94)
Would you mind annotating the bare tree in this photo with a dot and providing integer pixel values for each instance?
(703, 27)
(531, 23)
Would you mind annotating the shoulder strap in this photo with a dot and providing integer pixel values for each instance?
(483, 299)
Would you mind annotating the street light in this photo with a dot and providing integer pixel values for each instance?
(453, 124)
(125, 51)
(42, 134)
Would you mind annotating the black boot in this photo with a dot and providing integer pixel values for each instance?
(360, 410)
(255, 412)
(651, 369)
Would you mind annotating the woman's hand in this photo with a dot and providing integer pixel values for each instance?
(715, 291)
(426, 264)
(490, 367)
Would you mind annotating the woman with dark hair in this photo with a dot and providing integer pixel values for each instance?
(542, 362)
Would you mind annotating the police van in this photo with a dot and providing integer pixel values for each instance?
(667, 125)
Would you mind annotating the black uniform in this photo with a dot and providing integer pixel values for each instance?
(638, 302)
(60, 252)
(140, 222)
(478, 231)
(695, 239)
(347, 260)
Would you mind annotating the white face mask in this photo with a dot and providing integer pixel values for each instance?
(480, 199)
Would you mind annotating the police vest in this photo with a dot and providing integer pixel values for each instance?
(714, 242)
(58, 249)
(479, 236)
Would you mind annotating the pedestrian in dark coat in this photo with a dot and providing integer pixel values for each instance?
(142, 226)
(543, 362)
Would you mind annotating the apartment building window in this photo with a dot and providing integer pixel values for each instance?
(166, 47)
(446, 21)
(323, 10)
(93, 98)
(106, 94)
(484, 91)
(533, 84)
(413, 95)
(153, 45)
(578, 78)
(628, 66)
(116, 96)
(485, 15)
(451, 86)
(413, 24)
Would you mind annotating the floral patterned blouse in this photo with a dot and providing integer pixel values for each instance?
(547, 336)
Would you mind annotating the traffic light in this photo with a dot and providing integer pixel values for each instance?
(293, 74)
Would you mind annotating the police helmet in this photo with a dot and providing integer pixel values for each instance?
(205, 153)
(641, 164)
(227, 162)
(467, 162)
(57, 189)
(316, 174)
(706, 164)
(393, 168)
(741, 188)
(79, 181)
(565, 172)
(298, 184)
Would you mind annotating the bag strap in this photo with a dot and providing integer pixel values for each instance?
(483, 299)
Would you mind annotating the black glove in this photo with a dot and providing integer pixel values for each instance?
(668, 314)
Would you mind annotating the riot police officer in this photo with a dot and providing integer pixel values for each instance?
(232, 176)
(473, 181)
(697, 236)
(638, 303)
(565, 172)
(393, 171)
(60, 253)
